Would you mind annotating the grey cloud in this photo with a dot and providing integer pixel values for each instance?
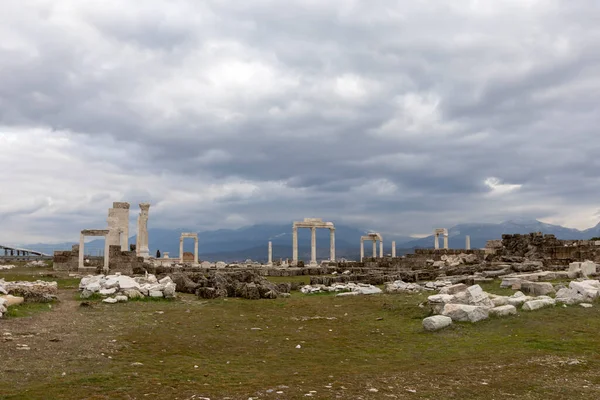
(525, 80)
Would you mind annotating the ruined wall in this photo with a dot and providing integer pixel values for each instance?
(547, 248)
(66, 260)
(123, 261)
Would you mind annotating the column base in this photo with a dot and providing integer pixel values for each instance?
(313, 264)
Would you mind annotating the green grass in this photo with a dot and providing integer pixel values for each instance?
(193, 348)
(357, 343)
(27, 309)
(42, 274)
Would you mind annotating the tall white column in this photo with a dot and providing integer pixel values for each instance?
(143, 230)
(446, 242)
(468, 242)
(81, 247)
(313, 246)
(181, 249)
(436, 241)
(295, 246)
(362, 249)
(332, 244)
(394, 248)
(270, 262)
(106, 254)
(374, 248)
(381, 249)
(195, 250)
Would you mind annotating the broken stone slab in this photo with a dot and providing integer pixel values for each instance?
(436, 322)
(511, 282)
(121, 298)
(498, 300)
(533, 305)
(503, 311)
(518, 299)
(133, 294)
(108, 292)
(569, 296)
(10, 300)
(588, 268)
(110, 300)
(156, 293)
(589, 289)
(465, 313)
(438, 301)
(537, 288)
(453, 289)
(586, 305)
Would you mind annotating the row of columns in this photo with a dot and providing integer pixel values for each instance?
(313, 245)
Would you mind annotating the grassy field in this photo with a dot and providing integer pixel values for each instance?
(350, 348)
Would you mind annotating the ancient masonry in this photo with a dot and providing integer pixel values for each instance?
(436, 234)
(116, 257)
(142, 236)
(313, 224)
(373, 236)
(191, 236)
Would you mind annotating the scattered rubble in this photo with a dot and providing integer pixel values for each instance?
(38, 291)
(7, 267)
(348, 289)
(124, 287)
(403, 287)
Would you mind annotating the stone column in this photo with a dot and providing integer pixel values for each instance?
(446, 242)
(362, 249)
(195, 250)
(294, 246)
(381, 249)
(81, 247)
(143, 230)
(181, 249)
(394, 248)
(468, 242)
(374, 248)
(436, 241)
(106, 254)
(313, 246)
(270, 255)
(332, 244)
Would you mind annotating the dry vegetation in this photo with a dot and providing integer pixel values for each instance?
(351, 348)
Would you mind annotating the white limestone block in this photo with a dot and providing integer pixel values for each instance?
(110, 300)
(586, 305)
(126, 282)
(503, 311)
(436, 322)
(108, 292)
(156, 293)
(569, 296)
(463, 312)
(453, 289)
(121, 299)
(165, 280)
(533, 305)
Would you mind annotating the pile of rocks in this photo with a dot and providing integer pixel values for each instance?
(347, 289)
(38, 291)
(120, 288)
(405, 287)
(36, 264)
(472, 304)
(7, 267)
(215, 284)
(449, 260)
(579, 292)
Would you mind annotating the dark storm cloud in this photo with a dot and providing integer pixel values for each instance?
(357, 111)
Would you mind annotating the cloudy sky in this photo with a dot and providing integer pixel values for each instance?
(399, 116)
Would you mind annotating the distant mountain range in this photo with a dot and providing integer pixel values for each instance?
(251, 242)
